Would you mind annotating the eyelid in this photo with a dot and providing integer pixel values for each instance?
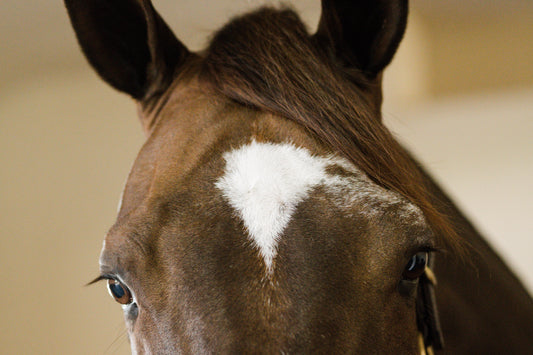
(434, 249)
(431, 249)
(423, 248)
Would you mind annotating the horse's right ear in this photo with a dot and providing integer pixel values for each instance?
(362, 34)
(127, 43)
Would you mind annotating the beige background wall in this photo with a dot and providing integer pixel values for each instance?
(460, 94)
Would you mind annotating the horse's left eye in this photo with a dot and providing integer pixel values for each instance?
(416, 266)
(119, 292)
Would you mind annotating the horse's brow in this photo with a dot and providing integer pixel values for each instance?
(108, 263)
(118, 248)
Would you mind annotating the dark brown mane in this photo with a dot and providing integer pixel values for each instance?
(268, 60)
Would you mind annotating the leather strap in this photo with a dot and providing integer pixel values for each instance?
(430, 331)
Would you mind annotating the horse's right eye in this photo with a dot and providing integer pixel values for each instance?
(416, 266)
(119, 292)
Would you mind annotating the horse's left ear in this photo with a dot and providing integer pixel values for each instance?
(362, 34)
(127, 43)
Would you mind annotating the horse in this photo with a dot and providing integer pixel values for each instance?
(271, 211)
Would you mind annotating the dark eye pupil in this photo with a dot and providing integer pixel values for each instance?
(120, 293)
(117, 290)
(416, 266)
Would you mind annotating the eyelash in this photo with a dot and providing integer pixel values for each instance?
(101, 278)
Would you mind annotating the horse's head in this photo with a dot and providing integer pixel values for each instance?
(269, 209)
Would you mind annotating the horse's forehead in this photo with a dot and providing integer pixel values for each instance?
(264, 183)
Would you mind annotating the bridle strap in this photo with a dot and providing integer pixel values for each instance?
(429, 329)
(424, 350)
